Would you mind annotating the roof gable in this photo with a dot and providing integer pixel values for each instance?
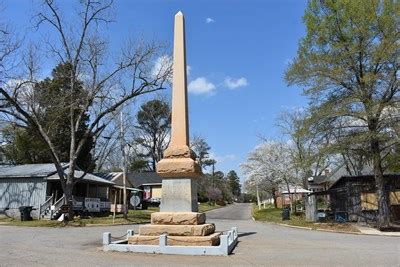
(29, 170)
(140, 178)
(45, 170)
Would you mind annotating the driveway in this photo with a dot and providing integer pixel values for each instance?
(260, 245)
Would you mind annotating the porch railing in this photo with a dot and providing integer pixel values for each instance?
(57, 206)
(46, 205)
(59, 203)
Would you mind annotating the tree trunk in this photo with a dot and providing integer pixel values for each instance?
(383, 217)
(290, 197)
(274, 197)
(154, 156)
(68, 200)
(258, 198)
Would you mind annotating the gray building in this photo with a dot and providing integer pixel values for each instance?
(38, 185)
(149, 182)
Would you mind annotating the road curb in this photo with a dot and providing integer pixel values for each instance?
(325, 230)
(318, 229)
(294, 226)
(116, 224)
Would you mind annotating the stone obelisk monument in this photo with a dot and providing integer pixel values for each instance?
(178, 168)
(178, 217)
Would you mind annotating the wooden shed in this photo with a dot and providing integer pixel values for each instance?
(356, 196)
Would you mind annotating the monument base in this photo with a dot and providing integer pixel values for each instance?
(182, 229)
(179, 195)
(178, 218)
(172, 244)
(177, 230)
(210, 240)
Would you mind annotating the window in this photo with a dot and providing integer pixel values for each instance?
(369, 201)
(394, 198)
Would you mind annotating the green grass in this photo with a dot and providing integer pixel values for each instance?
(274, 215)
(134, 216)
(35, 223)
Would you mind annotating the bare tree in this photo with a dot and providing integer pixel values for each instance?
(106, 86)
(9, 44)
(106, 146)
(310, 150)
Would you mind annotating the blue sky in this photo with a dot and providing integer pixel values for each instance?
(237, 52)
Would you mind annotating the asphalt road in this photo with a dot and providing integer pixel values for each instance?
(231, 212)
(260, 245)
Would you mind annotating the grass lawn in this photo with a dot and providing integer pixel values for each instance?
(275, 216)
(134, 216)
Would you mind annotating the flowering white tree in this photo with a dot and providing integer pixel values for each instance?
(271, 166)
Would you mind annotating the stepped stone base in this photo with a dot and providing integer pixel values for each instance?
(210, 240)
(177, 230)
(181, 228)
(178, 218)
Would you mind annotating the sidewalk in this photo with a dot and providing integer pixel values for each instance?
(373, 231)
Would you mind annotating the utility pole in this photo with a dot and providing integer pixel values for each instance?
(213, 178)
(258, 196)
(124, 167)
(213, 172)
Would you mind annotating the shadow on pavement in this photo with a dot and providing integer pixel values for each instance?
(246, 234)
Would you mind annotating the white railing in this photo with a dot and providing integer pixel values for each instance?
(56, 207)
(46, 205)
(59, 203)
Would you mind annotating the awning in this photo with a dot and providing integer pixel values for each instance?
(297, 191)
(127, 188)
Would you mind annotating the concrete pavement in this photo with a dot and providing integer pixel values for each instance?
(260, 245)
(373, 231)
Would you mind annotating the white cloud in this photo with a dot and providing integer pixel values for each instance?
(201, 86)
(188, 70)
(209, 20)
(233, 83)
(222, 158)
(162, 65)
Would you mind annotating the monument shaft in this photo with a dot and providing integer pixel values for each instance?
(178, 167)
(180, 122)
(179, 160)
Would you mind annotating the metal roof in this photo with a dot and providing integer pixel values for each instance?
(88, 177)
(45, 170)
(364, 177)
(128, 188)
(341, 171)
(28, 170)
(110, 176)
(296, 190)
(140, 178)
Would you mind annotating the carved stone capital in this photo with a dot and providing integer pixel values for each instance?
(179, 152)
(178, 168)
